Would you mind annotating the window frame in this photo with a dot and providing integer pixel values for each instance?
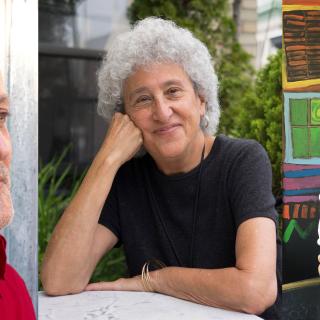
(288, 126)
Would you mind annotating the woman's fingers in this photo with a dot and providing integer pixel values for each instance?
(102, 286)
(131, 284)
(123, 138)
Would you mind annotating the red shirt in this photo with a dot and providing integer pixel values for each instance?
(15, 302)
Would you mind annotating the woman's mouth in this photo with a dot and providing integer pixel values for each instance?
(167, 129)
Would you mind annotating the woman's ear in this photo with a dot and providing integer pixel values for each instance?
(202, 105)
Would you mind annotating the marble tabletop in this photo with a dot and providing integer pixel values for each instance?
(120, 305)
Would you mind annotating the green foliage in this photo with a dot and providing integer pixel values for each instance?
(51, 200)
(259, 115)
(210, 22)
(235, 80)
(56, 188)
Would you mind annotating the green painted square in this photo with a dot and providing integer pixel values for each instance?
(300, 142)
(315, 111)
(315, 142)
(299, 112)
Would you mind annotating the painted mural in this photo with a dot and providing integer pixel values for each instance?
(301, 167)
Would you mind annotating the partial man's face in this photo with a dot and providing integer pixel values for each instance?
(6, 208)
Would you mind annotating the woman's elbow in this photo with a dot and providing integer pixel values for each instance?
(54, 286)
(260, 296)
(52, 289)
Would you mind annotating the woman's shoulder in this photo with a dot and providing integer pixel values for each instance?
(234, 147)
(237, 143)
(231, 153)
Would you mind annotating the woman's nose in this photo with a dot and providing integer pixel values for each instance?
(162, 110)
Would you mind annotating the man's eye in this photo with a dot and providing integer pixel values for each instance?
(3, 116)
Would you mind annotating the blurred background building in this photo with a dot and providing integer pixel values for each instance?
(259, 27)
(72, 39)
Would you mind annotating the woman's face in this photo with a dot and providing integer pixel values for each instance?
(162, 102)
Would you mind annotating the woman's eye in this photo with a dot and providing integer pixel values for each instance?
(173, 91)
(143, 99)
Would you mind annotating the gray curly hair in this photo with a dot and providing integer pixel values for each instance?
(154, 40)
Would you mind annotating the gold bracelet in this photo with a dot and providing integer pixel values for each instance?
(145, 275)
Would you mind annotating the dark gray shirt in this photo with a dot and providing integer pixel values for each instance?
(236, 182)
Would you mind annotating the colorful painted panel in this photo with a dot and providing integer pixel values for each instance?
(301, 183)
(302, 44)
(301, 41)
(302, 127)
(300, 236)
(301, 168)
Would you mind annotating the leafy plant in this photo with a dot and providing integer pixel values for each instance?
(52, 200)
(56, 187)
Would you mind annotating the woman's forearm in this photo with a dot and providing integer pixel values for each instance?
(228, 288)
(76, 245)
(67, 264)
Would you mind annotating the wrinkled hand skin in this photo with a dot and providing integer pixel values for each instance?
(122, 284)
(123, 139)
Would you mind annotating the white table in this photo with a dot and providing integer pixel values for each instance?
(122, 305)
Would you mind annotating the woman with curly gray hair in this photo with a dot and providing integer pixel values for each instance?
(196, 205)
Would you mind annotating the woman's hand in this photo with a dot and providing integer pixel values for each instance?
(122, 284)
(123, 140)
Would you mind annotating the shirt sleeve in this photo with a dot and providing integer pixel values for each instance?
(15, 301)
(109, 216)
(250, 184)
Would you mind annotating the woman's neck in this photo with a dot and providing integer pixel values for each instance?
(189, 159)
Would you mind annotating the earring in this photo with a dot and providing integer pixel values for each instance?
(205, 121)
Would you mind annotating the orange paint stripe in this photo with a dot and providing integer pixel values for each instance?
(293, 48)
(294, 23)
(297, 63)
(296, 211)
(301, 2)
(313, 13)
(294, 16)
(285, 213)
(296, 53)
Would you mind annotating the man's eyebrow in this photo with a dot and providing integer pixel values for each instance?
(4, 99)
